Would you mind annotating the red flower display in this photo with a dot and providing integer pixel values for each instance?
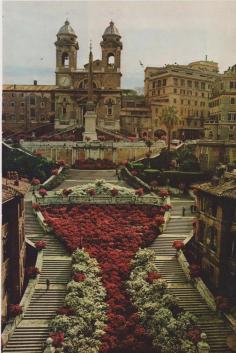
(40, 244)
(194, 271)
(42, 192)
(153, 276)
(163, 193)
(178, 244)
(15, 309)
(79, 277)
(55, 172)
(64, 310)
(87, 138)
(35, 181)
(167, 207)
(114, 192)
(32, 272)
(66, 192)
(36, 207)
(148, 154)
(112, 234)
(61, 162)
(139, 192)
(91, 192)
(57, 338)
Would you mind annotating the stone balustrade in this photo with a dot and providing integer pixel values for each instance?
(97, 199)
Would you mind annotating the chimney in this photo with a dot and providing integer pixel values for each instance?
(35, 82)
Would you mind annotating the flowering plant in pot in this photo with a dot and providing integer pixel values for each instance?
(178, 244)
(35, 181)
(114, 192)
(38, 154)
(134, 172)
(66, 192)
(167, 207)
(61, 162)
(42, 192)
(32, 272)
(91, 192)
(55, 171)
(15, 309)
(163, 193)
(194, 270)
(139, 192)
(57, 338)
(36, 207)
(40, 244)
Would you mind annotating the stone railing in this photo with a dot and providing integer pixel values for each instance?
(97, 199)
(25, 301)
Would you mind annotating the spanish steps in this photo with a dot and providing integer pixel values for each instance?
(31, 333)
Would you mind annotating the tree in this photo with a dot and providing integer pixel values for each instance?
(170, 119)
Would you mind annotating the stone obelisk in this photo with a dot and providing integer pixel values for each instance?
(90, 116)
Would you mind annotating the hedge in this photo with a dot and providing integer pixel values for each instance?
(175, 177)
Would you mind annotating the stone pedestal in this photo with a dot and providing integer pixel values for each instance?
(90, 126)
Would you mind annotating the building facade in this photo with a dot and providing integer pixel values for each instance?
(13, 249)
(27, 107)
(135, 116)
(221, 124)
(72, 83)
(215, 235)
(187, 88)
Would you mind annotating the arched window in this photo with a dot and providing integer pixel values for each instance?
(212, 238)
(84, 84)
(65, 60)
(110, 59)
(109, 103)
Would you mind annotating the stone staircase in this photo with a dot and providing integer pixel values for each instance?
(189, 298)
(31, 334)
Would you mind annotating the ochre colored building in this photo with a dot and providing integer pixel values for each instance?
(187, 88)
(221, 124)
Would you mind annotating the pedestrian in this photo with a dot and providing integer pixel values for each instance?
(116, 171)
(183, 211)
(48, 284)
(192, 209)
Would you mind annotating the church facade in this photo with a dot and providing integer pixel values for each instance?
(64, 104)
(71, 90)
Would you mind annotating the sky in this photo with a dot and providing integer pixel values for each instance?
(153, 32)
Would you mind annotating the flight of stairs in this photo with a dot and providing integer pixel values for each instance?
(31, 334)
(189, 298)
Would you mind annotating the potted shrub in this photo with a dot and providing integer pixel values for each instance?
(43, 192)
(40, 244)
(15, 309)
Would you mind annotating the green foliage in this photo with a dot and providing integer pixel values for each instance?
(57, 180)
(26, 165)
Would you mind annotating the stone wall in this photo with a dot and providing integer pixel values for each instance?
(72, 151)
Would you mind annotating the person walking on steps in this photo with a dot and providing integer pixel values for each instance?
(48, 284)
(183, 211)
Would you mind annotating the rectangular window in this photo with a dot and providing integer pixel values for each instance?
(22, 104)
(196, 84)
(32, 112)
(189, 82)
(175, 81)
(12, 104)
(175, 90)
(174, 100)
(32, 100)
(232, 100)
(182, 82)
(159, 83)
(164, 82)
(203, 85)
(203, 95)
(42, 104)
